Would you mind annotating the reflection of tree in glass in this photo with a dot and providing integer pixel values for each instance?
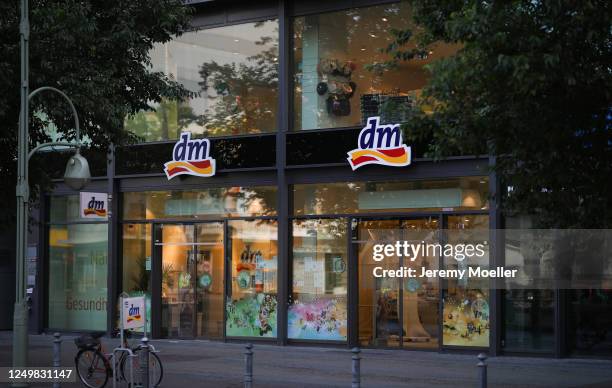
(165, 122)
(140, 279)
(246, 93)
(336, 199)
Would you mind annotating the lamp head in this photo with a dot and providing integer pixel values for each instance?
(77, 173)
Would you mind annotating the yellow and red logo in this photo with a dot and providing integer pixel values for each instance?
(133, 314)
(380, 144)
(190, 157)
(95, 207)
(99, 212)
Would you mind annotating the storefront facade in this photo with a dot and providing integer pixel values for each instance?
(271, 239)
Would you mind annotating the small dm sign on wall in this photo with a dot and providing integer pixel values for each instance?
(380, 144)
(94, 205)
(190, 157)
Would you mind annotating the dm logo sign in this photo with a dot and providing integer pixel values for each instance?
(133, 312)
(380, 144)
(190, 157)
(94, 205)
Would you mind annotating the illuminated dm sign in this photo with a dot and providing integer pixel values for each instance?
(190, 157)
(380, 144)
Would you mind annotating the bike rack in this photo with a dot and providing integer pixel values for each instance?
(129, 351)
(121, 349)
(116, 359)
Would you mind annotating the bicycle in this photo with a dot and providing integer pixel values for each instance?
(93, 365)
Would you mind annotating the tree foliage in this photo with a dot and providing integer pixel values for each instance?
(97, 52)
(531, 84)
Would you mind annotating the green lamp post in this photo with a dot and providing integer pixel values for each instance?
(77, 175)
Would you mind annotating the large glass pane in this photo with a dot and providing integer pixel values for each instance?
(192, 279)
(137, 263)
(200, 204)
(232, 72)
(529, 320)
(379, 297)
(210, 273)
(421, 296)
(334, 88)
(395, 311)
(528, 313)
(178, 293)
(466, 301)
(78, 266)
(318, 308)
(251, 308)
(378, 197)
(590, 320)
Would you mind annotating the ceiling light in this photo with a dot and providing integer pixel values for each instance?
(385, 19)
(236, 40)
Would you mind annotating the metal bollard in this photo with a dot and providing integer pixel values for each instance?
(356, 368)
(57, 354)
(144, 362)
(248, 361)
(482, 371)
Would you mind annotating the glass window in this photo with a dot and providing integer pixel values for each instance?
(200, 204)
(232, 72)
(589, 317)
(396, 312)
(466, 319)
(251, 308)
(318, 308)
(137, 264)
(334, 88)
(78, 276)
(528, 313)
(378, 197)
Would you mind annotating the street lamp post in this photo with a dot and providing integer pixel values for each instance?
(77, 175)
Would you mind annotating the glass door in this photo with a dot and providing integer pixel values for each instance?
(379, 297)
(396, 311)
(209, 274)
(192, 273)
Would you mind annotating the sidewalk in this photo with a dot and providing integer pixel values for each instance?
(196, 363)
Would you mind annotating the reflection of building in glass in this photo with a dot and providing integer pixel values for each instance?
(232, 72)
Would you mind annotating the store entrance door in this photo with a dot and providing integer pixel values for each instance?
(192, 279)
(396, 312)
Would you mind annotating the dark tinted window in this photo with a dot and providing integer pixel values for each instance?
(54, 163)
(241, 152)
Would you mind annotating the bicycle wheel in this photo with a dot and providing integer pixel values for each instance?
(92, 368)
(156, 370)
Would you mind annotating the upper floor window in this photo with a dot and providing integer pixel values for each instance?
(233, 73)
(332, 85)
